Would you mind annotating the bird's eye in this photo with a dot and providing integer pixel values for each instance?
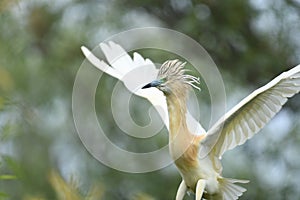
(163, 80)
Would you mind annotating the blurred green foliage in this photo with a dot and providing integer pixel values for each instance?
(250, 41)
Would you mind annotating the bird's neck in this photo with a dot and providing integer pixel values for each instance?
(177, 113)
(179, 136)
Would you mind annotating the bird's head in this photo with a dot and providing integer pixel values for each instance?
(171, 79)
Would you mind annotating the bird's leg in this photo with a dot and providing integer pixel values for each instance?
(200, 189)
(181, 190)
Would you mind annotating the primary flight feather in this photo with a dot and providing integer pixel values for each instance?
(251, 114)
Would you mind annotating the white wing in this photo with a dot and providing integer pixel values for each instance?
(100, 64)
(135, 73)
(251, 114)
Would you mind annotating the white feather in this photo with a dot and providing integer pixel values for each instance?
(135, 73)
(251, 114)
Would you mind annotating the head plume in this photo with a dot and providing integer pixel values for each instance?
(173, 71)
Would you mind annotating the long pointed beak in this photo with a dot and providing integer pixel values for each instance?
(152, 84)
(147, 86)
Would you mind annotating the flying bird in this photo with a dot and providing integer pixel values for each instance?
(197, 154)
(198, 157)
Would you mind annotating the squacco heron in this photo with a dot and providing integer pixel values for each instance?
(199, 163)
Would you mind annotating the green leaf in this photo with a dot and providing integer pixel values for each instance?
(6, 130)
(2, 101)
(2, 194)
(7, 177)
(14, 166)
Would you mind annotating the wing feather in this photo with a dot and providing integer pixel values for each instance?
(251, 114)
(120, 64)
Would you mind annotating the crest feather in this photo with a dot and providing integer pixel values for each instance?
(174, 70)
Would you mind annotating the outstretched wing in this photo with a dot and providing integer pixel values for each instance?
(120, 60)
(100, 64)
(121, 64)
(134, 73)
(251, 114)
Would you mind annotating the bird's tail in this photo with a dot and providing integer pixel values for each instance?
(230, 190)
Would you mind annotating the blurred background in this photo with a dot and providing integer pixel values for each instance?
(41, 155)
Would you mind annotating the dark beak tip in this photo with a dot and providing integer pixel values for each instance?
(147, 86)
